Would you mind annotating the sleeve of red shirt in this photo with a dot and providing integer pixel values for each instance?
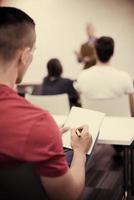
(44, 148)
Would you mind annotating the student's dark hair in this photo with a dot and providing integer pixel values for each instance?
(15, 32)
(54, 68)
(104, 48)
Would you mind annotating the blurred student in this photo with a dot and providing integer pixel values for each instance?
(104, 81)
(86, 55)
(28, 133)
(54, 83)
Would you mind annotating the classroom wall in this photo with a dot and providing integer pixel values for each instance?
(60, 27)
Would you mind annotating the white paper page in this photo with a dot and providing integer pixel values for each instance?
(81, 116)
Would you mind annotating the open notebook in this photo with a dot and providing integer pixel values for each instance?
(81, 116)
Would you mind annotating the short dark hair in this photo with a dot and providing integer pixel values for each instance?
(54, 68)
(15, 32)
(104, 48)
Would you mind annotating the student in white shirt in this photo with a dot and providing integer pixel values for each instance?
(103, 81)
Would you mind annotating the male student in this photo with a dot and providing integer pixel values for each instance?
(28, 133)
(104, 81)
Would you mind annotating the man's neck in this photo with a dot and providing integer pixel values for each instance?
(8, 76)
(5, 82)
(102, 64)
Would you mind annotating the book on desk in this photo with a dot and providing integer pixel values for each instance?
(80, 116)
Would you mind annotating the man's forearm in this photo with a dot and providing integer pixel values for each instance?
(78, 171)
(70, 186)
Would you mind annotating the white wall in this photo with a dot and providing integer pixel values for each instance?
(61, 29)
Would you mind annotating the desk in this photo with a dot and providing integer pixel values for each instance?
(116, 131)
(120, 131)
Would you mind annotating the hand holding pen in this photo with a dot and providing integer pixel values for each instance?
(81, 139)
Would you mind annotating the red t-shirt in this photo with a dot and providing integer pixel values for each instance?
(28, 133)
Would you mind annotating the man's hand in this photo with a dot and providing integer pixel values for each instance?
(83, 142)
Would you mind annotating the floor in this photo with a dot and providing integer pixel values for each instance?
(104, 176)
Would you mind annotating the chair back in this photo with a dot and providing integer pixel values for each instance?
(118, 106)
(55, 104)
(21, 183)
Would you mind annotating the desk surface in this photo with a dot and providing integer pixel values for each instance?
(114, 130)
(117, 130)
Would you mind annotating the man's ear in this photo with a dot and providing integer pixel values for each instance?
(24, 56)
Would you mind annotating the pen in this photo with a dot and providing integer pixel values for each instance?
(78, 132)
